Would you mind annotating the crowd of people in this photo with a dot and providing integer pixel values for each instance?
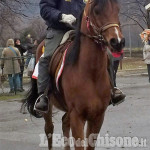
(13, 63)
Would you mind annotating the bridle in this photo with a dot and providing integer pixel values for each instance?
(98, 31)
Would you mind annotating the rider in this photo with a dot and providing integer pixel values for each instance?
(59, 15)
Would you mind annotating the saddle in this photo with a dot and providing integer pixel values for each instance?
(57, 57)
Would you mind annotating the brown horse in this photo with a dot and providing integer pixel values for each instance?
(85, 89)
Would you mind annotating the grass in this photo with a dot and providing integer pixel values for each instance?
(132, 64)
(18, 96)
(11, 97)
(134, 49)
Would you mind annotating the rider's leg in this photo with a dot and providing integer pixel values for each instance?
(117, 95)
(115, 65)
(51, 43)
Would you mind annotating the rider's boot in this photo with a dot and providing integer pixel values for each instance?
(117, 96)
(42, 102)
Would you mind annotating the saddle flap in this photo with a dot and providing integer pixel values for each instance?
(57, 58)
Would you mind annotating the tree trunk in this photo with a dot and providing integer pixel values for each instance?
(148, 19)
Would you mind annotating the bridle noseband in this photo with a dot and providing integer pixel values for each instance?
(98, 31)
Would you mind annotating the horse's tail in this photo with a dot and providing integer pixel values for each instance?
(31, 97)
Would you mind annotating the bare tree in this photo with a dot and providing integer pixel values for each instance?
(7, 26)
(135, 13)
(18, 6)
(36, 28)
(39, 28)
(11, 14)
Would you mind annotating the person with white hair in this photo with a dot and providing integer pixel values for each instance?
(11, 65)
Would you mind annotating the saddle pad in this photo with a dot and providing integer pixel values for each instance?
(60, 68)
(36, 70)
(66, 36)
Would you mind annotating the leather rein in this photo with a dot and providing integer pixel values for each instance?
(98, 31)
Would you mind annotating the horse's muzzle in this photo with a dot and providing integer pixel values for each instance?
(116, 44)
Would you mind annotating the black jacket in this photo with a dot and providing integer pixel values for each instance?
(51, 11)
(21, 49)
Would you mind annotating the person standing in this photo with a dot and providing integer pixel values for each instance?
(146, 55)
(11, 65)
(31, 48)
(117, 57)
(22, 50)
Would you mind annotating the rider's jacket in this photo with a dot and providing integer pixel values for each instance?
(51, 11)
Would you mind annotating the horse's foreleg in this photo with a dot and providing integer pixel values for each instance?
(77, 126)
(49, 127)
(66, 128)
(93, 128)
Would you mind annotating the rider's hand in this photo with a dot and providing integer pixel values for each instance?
(69, 19)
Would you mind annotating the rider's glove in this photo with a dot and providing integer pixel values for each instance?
(69, 19)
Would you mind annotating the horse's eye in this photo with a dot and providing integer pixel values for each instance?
(96, 11)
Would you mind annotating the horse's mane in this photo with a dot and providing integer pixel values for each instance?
(72, 56)
(103, 3)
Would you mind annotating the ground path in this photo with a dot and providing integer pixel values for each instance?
(132, 119)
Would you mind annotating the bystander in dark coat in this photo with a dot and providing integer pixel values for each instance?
(31, 49)
(22, 50)
(117, 57)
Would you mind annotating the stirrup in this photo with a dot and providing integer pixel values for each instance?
(40, 111)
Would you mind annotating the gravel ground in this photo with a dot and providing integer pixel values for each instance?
(129, 119)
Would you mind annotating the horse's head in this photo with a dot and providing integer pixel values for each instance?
(102, 17)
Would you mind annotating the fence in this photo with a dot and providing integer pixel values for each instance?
(13, 60)
(4, 85)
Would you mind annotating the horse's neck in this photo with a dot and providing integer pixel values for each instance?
(92, 58)
(91, 54)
